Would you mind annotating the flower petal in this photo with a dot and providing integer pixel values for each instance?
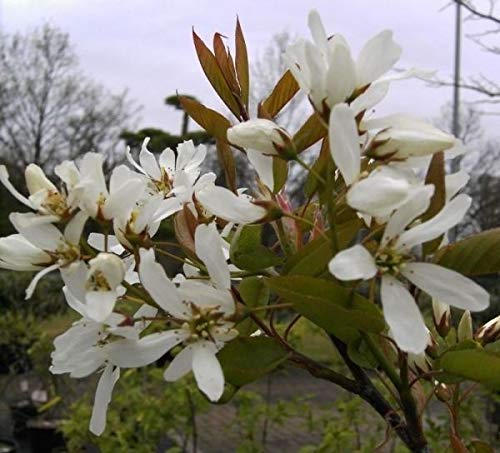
(209, 250)
(403, 316)
(340, 79)
(407, 213)
(377, 56)
(159, 286)
(263, 165)
(352, 264)
(137, 353)
(180, 366)
(448, 217)
(102, 399)
(207, 370)
(447, 286)
(344, 142)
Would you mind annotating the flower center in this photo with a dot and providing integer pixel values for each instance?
(391, 261)
(97, 282)
(55, 203)
(203, 322)
(67, 253)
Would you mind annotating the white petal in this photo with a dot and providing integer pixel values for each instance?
(138, 353)
(403, 316)
(317, 30)
(344, 142)
(32, 286)
(208, 249)
(207, 370)
(36, 230)
(74, 228)
(352, 264)
(204, 295)
(372, 96)
(263, 165)
(180, 366)
(447, 218)
(407, 213)
(377, 56)
(378, 196)
(455, 182)
(100, 304)
(97, 240)
(158, 285)
(167, 161)
(4, 179)
(102, 399)
(447, 286)
(341, 75)
(91, 169)
(148, 162)
(225, 204)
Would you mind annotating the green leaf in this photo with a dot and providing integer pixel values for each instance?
(254, 292)
(214, 74)
(475, 255)
(242, 63)
(247, 251)
(309, 133)
(476, 364)
(320, 167)
(285, 89)
(313, 258)
(335, 308)
(360, 354)
(210, 120)
(280, 173)
(246, 359)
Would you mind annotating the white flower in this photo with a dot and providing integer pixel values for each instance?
(402, 136)
(262, 139)
(88, 346)
(97, 284)
(394, 259)
(258, 134)
(125, 189)
(40, 245)
(44, 197)
(202, 310)
(326, 71)
(385, 189)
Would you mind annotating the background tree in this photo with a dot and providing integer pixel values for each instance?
(49, 110)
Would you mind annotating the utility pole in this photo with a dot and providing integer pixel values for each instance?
(455, 126)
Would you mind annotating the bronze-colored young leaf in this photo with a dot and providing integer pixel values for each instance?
(210, 120)
(435, 175)
(309, 133)
(242, 64)
(244, 360)
(283, 92)
(320, 167)
(227, 69)
(475, 255)
(280, 173)
(215, 75)
(226, 160)
(329, 305)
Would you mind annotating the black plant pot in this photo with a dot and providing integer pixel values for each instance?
(44, 435)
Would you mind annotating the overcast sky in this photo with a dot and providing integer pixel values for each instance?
(145, 45)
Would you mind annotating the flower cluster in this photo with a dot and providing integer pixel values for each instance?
(100, 233)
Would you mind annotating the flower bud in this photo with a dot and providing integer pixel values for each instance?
(36, 180)
(410, 138)
(443, 392)
(260, 135)
(465, 327)
(441, 314)
(419, 363)
(489, 332)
